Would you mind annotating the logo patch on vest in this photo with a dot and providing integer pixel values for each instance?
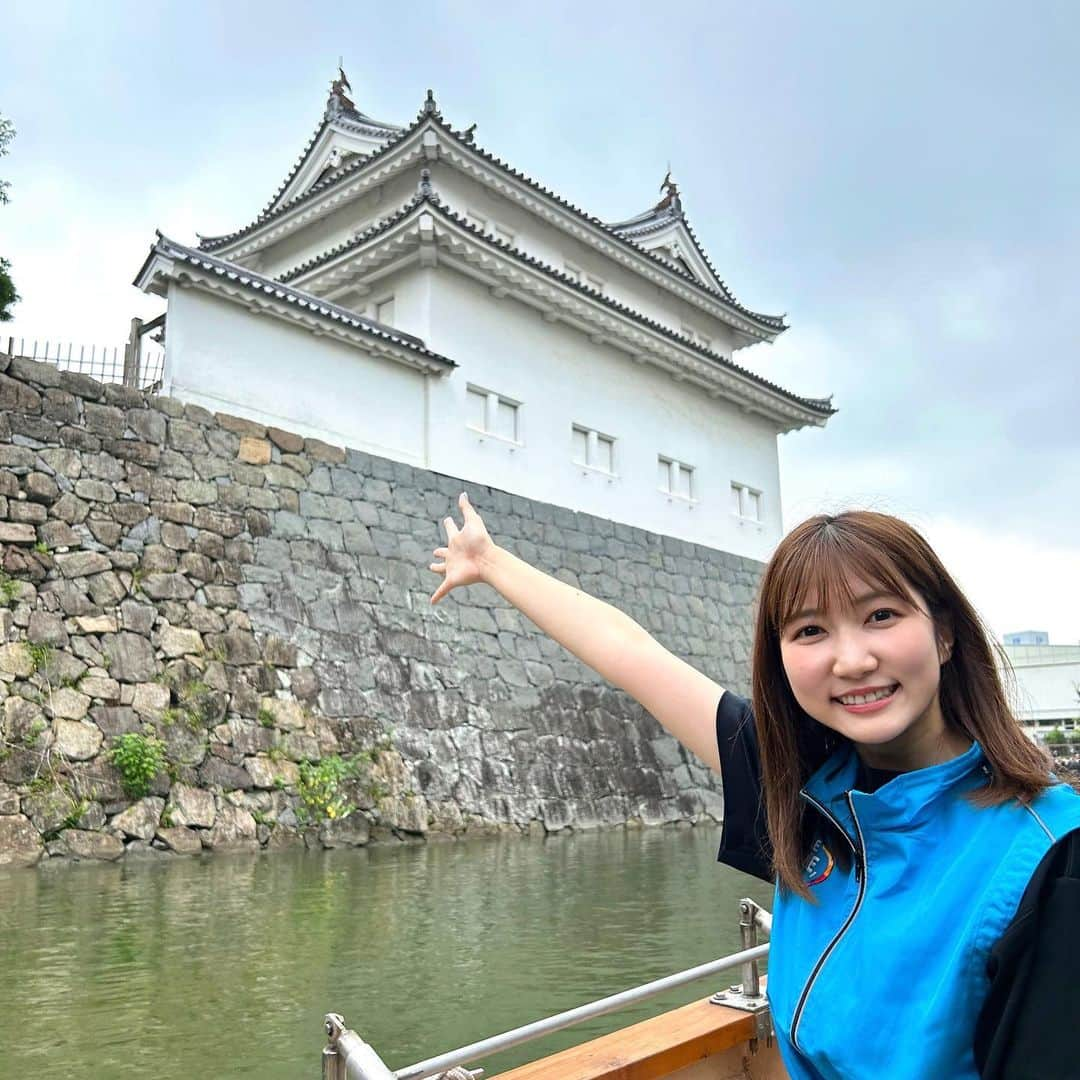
(820, 864)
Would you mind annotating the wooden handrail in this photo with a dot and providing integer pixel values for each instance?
(648, 1050)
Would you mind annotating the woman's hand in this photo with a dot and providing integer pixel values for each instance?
(467, 549)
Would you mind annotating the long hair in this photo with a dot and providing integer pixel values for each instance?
(816, 559)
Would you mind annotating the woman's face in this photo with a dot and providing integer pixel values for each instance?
(871, 673)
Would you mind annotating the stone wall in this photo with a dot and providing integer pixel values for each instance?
(258, 602)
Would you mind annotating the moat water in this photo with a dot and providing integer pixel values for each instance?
(224, 966)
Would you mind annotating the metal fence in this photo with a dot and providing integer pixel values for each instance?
(102, 362)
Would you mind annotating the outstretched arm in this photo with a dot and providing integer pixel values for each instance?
(610, 642)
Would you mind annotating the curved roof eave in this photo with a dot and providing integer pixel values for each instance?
(822, 407)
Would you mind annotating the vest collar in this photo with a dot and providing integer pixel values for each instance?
(902, 799)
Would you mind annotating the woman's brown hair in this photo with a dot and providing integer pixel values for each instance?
(816, 559)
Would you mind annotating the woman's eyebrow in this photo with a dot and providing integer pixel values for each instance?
(879, 594)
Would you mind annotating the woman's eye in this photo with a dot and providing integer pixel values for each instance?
(807, 632)
(888, 613)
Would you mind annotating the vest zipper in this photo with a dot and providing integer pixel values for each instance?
(858, 850)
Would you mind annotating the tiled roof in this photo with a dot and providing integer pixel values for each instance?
(653, 220)
(278, 290)
(351, 117)
(822, 406)
(774, 323)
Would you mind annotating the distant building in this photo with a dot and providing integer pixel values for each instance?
(411, 295)
(1028, 637)
(1047, 684)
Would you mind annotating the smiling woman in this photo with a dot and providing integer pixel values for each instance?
(907, 817)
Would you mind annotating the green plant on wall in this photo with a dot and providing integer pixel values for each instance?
(321, 789)
(40, 655)
(9, 589)
(138, 758)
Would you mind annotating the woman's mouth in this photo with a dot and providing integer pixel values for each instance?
(868, 702)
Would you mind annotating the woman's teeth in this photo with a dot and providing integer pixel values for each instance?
(862, 699)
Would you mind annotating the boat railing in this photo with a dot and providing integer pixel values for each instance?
(347, 1057)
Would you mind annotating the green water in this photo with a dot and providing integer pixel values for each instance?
(224, 966)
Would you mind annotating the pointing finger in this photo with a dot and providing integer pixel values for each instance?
(451, 528)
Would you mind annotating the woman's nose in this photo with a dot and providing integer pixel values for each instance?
(852, 657)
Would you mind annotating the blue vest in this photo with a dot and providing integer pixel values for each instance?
(885, 974)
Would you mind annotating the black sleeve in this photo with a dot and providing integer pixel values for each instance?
(745, 841)
(1024, 1029)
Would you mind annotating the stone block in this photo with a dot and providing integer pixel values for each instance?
(181, 840)
(268, 773)
(254, 451)
(285, 713)
(82, 844)
(131, 657)
(163, 586)
(15, 659)
(191, 806)
(150, 699)
(141, 819)
(215, 773)
(101, 687)
(77, 740)
(351, 831)
(82, 563)
(20, 842)
(177, 641)
(234, 829)
(197, 492)
(17, 533)
(68, 704)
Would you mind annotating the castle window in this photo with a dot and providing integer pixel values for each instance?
(675, 478)
(593, 450)
(745, 502)
(384, 310)
(492, 414)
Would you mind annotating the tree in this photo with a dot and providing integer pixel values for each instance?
(8, 296)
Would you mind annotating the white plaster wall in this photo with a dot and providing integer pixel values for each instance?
(227, 359)
(561, 378)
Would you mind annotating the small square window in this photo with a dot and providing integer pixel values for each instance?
(675, 477)
(745, 502)
(503, 235)
(605, 454)
(506, 415)
(663, 474)
(476, 220)
(492, 414)
(478, 409)
(594, 283)
(573, 271)
(580, 442)
(384, 311)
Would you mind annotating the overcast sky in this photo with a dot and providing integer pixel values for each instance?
(902, 179)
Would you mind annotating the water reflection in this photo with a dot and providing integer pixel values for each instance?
(224, 966)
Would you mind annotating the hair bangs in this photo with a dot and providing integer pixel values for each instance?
(821, 567)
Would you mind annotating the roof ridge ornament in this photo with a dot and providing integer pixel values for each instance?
(671, 202)
(430, 108)
(339, 100)
(424, 189)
